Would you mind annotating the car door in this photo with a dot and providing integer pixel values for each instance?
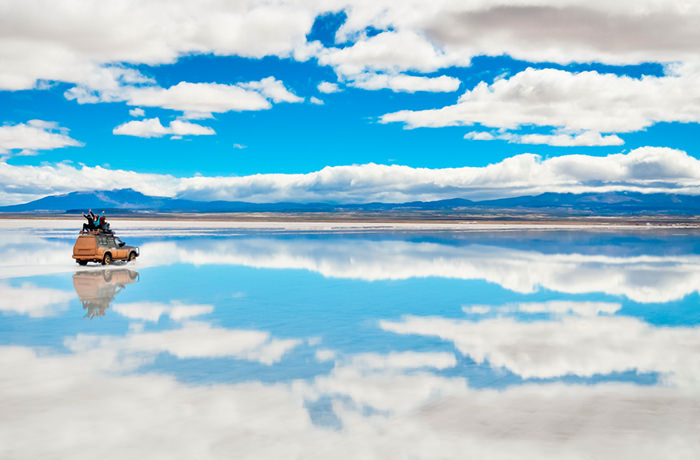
(114, 248)
(121, 248)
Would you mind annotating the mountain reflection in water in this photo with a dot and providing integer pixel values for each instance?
(97, 288)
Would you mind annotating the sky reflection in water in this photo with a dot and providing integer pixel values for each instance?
(266, 344)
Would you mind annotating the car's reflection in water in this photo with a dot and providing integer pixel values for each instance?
(97, 288)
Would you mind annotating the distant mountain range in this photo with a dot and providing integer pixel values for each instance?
(612, 203)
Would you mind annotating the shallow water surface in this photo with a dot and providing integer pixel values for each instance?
(225, 341)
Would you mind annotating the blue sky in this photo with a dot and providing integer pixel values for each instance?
(184, 103)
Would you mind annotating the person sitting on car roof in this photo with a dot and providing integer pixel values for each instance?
(102, 221)
(103, 225)
(90, 225)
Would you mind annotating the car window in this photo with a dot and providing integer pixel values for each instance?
(106, 241)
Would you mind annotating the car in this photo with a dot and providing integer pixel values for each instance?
(103, 248)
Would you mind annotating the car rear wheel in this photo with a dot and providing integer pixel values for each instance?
(132, 256)
(82, 262)
(107, 259)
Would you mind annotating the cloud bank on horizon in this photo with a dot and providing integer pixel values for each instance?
(645, 170)
(578, 75)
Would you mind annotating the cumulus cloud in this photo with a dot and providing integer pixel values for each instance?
(328, 87)
(198, 100)
(151, 127)
(480, 136)
(137, 112)
(425, 38)
(390, 51)
(584, 101)
(568, 32)
(27, 138)
(272, 88)
(198, 97)
(413, 36)
(416, 36)
(405, 83)
(559, 139)
(315, 100)
(550, 31)
(645, 169)
(89, 40)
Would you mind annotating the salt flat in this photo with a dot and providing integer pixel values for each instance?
(410, 339)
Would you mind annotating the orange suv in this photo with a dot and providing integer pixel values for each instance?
(102, 247)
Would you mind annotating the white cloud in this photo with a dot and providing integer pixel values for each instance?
(239, 146)
(416, 37)
(137, 112)
(151, 127)
(273, 89)
(426, 38)
(105, 84)
(390, 51)
(95, 50)
(645, 169)
(422, 37)
(585, 101)
(559, 139)
(32, 300)
(405, 83)
(315, 100)
(198, 97)
(480, 136)
(586, 138)
(545, 31)
(27, 138)
(155, 33)
(189, 115)
(195, 100)
(328, 87)
(152, 311)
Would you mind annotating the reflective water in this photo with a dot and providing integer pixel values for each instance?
(224, 342)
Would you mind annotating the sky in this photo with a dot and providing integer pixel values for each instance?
(348, 101)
